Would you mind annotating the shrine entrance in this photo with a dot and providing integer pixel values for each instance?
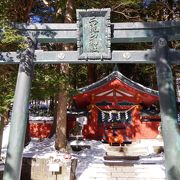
(94, 34)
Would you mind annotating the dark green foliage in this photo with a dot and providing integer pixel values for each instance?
(7, 89)
(11, 40)
(47, 79)
(45, 82)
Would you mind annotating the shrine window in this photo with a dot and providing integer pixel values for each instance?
(125, 103)
(103, 103)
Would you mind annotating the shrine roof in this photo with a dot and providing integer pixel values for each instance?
(121, 77)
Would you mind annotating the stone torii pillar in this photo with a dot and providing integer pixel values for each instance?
(170, 130)
(20, 114)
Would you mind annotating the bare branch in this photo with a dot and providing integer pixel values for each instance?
(45, 2)
(113, 8)
(126, 16)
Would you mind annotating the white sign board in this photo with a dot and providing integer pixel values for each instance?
(54, 167)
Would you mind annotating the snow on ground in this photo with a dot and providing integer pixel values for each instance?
(41, 149)
(5, 136)
(45, 149)
(88, 156)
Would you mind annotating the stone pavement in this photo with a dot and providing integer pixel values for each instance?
(93, 164)
(136, 172)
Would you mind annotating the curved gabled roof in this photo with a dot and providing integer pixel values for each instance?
(115, 88)
(121, 77)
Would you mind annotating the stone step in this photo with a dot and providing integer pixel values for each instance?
(129, 150)
(131, 160)
(143, 172)
(137, 152)
(138, 163)
(122, 157)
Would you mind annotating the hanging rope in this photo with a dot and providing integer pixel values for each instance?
(115, 115)
(119, 117)
(110, 116)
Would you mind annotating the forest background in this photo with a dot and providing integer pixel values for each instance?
(58, 83)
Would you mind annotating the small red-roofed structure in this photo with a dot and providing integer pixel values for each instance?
(118, 110)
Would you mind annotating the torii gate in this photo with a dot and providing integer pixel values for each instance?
(94, 34)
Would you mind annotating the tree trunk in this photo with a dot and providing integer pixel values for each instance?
(61, 139)
(53, 108)
(91, 73)
(1, 132)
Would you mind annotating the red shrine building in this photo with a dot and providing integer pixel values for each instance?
(118, 110)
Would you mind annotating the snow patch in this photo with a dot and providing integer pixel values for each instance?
(87, 157)
(5, 136)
